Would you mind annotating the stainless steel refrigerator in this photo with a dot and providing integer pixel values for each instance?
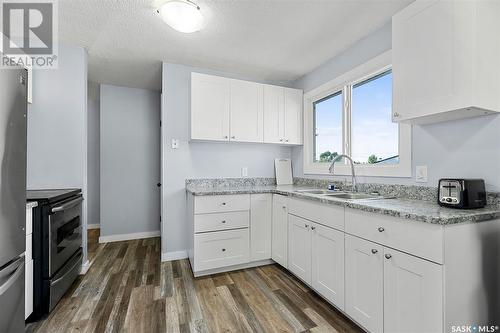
(13, 107)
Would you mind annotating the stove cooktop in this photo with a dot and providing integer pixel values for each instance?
(51, 195)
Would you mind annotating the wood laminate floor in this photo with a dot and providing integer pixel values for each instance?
(127, 289)
(93, 246)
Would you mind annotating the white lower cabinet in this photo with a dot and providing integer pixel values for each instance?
(364, 283)
(260, 226)
(221, 248)
(413, 290)
(328, 263)
(391, 291)
(279, 243)
(299, 247)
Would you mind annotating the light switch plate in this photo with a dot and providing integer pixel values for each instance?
(175, 143)
(244, 172)
(421, 173)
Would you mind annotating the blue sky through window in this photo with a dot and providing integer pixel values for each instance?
(372, 131)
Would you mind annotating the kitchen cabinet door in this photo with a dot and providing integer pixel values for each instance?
(274, 114)
(299, 247)
(413, 294)
(293, 116)
(279, 242)
(210, 102)
(247, 112)
(328, 263)
(364, 273)
(260, 226)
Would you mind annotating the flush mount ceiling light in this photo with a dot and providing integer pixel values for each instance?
(182, 15)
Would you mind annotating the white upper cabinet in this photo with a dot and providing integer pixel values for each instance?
(210, 102)
(446, 60)
(293, 116)
(246, 112)
(274, 114)
(282, 115)
(224, 109)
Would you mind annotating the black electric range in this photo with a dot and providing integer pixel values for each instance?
(57, 245)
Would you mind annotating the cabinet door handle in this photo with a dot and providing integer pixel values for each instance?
(223, 204)
(225, 136)
(374, 251)
(233, 137)
(380, 229)
(388, 256)
(396, 115)
(307, 226)
(313, 228)
(281, 140)
(286, 140)
(223, 221)
(223, 250)
(284, 207)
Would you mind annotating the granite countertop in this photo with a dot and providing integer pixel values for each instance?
(419, 210)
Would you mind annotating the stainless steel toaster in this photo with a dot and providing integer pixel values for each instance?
(462, 193)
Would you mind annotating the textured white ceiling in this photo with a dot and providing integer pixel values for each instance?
(264, 40)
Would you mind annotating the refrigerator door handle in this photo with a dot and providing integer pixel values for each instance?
(6, 271)
(4, 287)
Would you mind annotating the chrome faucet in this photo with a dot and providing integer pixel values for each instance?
(338, 158)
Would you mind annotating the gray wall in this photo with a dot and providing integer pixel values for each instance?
(93, 159)
(130, 160)
(57, 126)
(198, 159)
(463, 148)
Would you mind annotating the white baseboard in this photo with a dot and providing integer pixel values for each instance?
(123, 237)
(174, 255)
(85, 267)
(93, 226)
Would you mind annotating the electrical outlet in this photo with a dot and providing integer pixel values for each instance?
(421, 174)
(175, 143)
(244, 172)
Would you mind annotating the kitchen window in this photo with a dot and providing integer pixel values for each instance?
(353, 115)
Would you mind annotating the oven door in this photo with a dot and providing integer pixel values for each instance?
(65, 232)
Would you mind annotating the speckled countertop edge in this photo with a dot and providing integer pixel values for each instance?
(416, 210)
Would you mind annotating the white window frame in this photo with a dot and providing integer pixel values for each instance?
(344, 83)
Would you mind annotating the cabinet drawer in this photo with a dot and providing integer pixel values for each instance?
(221, 203)
(423, 240)
(220, 249)
(328, 215)
(220, 221)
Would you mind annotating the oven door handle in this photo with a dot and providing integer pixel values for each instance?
(67, 205)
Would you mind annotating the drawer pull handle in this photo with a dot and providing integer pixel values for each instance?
(223, 221)
(306, 225)
(388, 256)
(381, 229)
(374, 251)
(284, 207)
(223, 250)
(313, 228)
(223, 204)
